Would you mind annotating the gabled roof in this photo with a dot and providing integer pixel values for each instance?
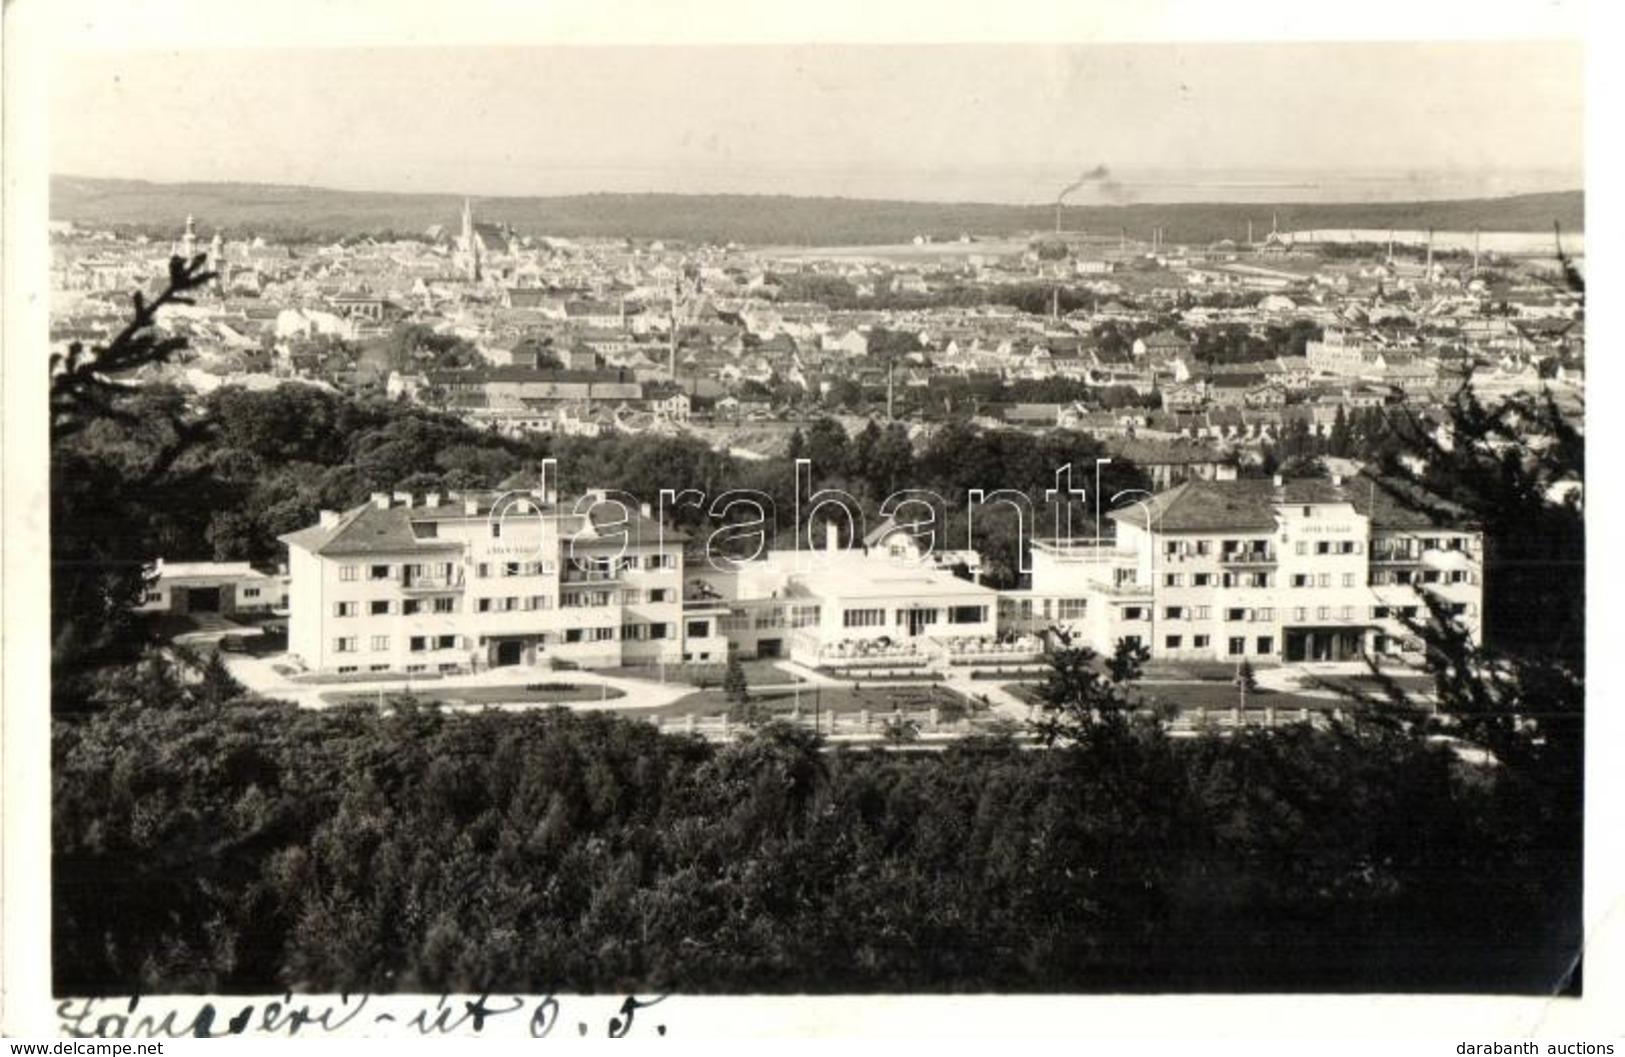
(1249, 505)
(366, 530)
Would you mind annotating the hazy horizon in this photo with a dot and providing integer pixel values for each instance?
(996, 124)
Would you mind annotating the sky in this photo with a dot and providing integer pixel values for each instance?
(999, 123)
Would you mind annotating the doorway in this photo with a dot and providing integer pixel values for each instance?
(508, 652)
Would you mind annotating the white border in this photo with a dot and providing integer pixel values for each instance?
(39, 32)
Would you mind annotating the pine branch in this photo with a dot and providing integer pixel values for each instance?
(83, 386)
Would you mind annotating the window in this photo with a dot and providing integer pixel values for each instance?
(1323, 613)
(863, 618)
(346, 609)
(1133, 613)
(1237, 645)
(445, 605)
(380, 642)
(1174, 580)
(1300, 613)
(1430, 576)
(1323, 547)
(804, 616)
(603, 634)
(415, 668)
(251, 592)
(541, 601)
(660, 594)
(483, 571)
(658, 631)
(1235, 614)
(1073, 608)
(345, 645)
(482, 605)
(496, 530)
(1346, 613)
(1202, 613)
(1264, 615)
(1302, 580)
(1266, 644)
(379, 608)
(1325, 579)
(1202, 579)
(1379, 612)
(573, 634)
(418, 643)
(1132, 641)
(155, 596)
(512, 569)
(1173, 613)
(1173, 642)
(631, 596)
(378, 668)
(1204, 546)
(1303, 548)
(1201, 642)
(634, 632)
(651, 561)
(446, 642)
(699, 629)
(347, 572)
(411, 606)
(1348, 579)
(967, 614)
(378, 572)
(348, 669)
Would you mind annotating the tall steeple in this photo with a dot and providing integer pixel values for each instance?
(470, 245)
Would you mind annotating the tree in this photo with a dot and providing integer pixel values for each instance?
(734, 685)
(1084, 695)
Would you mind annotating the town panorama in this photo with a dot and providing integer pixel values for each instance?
(1187, 606)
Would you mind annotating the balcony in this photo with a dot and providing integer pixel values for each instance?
(590, 576)
(1264, 557)
(431, 584)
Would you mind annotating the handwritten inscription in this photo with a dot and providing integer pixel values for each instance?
(355, 1015)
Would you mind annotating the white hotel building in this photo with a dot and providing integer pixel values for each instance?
(444, 584)
(1270, 571)
(470, 581)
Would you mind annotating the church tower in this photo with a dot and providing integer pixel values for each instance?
(470, 245)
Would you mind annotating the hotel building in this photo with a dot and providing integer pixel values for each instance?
(1270, 571)
(470, 581)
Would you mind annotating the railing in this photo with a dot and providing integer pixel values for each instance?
(432, 583)
(592, 576)
(899, 725)
(1249, 558)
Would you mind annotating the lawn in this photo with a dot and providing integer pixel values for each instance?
(827, 699)
(1209, 695)
(555, 694)
(758, 672)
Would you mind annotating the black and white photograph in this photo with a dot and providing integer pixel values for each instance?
(661, 520)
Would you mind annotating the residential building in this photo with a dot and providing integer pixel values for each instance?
(1269, 571)
(481, 580)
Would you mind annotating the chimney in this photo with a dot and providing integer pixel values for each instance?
(1280, 482)
(329, 518)
(471, 507)
(1337, 480)
(403, 498)
(432, 500)
(646, 510)
(380, 500)
(832, 536)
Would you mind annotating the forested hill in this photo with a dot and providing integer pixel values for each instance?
(278, 211)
